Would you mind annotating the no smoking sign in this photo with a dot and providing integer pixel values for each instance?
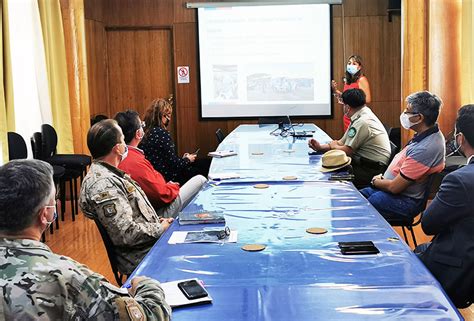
(183, 74)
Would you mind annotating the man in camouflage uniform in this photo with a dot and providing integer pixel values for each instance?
(116, 201)
(40, 285)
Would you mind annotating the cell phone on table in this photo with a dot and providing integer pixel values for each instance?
(197, 151)
(192, 289)
(358, 248)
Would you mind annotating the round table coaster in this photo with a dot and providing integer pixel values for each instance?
(316, 230)
(290, 178)
(257, 153)
(253, 247)
(260, 186)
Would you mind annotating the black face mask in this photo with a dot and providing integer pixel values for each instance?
(458, 146)
(166, 122)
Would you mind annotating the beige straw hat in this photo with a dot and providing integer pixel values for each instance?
(334, 159)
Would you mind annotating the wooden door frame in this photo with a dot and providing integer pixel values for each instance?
(174, 134)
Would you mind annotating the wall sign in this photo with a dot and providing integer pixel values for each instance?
(183, 74)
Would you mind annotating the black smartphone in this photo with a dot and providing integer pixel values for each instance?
(358, 248)
(192, 289)
(310, 153)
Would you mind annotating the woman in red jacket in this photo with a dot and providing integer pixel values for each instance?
(354, 78)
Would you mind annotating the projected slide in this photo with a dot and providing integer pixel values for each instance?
(265, 61)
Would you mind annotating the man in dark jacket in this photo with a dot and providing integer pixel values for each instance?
(450, 217)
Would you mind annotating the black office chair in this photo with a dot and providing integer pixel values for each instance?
(78, 162)
(395, 137)
(73, 163)
(393, 151)
(97, 118)
(410, 223)
(61, 175)
(219, 135)
(109, 246)
(16, 146)
(388, 129)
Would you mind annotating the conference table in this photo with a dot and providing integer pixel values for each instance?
(298, 276)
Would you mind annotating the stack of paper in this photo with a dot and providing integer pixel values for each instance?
(201, 217)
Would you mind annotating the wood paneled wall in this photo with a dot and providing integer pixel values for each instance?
(367, 32)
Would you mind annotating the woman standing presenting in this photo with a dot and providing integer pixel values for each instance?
(354, 78)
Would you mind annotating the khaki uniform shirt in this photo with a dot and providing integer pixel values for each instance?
(367, 137)
(40, 285)
(122, 207)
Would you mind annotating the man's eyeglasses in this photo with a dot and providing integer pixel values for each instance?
(223, 234)
(410, 112)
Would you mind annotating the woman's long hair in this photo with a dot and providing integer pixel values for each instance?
(155, 112)
(349, 79)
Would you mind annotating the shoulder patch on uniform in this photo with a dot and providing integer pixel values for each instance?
(110, 210)
(134, 311)
(101, 196)
(352, 132)
(131, 188)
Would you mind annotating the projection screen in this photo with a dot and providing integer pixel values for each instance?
(272, 60)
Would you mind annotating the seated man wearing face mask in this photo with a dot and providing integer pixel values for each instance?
(365, 141)
(116, 201)
(166, 197)
(38, 284)
(398, 193)
(450, 218)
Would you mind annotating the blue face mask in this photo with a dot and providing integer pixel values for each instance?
(352, 69)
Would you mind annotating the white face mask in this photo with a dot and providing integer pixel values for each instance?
(55, 216)
(142, 134)
(346, 109)
(352, 69)
(457, 146)
(405, 121)
(125, 153)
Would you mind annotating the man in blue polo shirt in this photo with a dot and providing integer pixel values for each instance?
(398, 193)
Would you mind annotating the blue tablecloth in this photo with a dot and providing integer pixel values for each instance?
(262, 156)
(299, 276)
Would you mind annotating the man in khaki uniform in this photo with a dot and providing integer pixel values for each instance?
(116, 201)
(366, 139)
(40, 285)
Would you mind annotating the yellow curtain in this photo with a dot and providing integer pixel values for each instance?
(414, 53)
(55, 52)
(7, 118)
(438, 54)
(467, 53)
(74, 29)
